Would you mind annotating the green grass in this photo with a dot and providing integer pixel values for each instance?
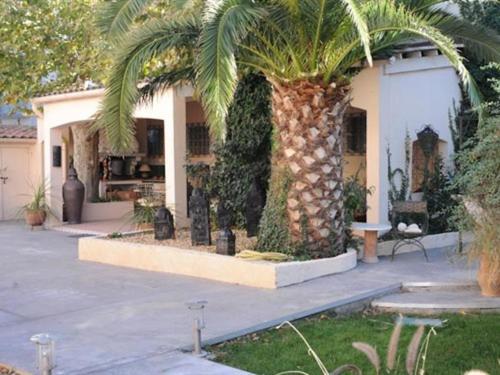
(466, 342)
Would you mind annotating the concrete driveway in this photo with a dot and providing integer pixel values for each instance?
(113, 320)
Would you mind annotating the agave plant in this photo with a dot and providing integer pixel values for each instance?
(309, 50)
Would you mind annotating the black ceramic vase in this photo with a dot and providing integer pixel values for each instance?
(73, 196)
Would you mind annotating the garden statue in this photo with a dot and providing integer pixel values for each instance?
(164, 224)
(73, 196)
(255, 206)
(200, 218)
(226, 240)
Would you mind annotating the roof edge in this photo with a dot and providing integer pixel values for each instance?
(71, 95)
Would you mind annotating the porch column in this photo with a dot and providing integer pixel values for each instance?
(376, 173)
(52, 175)
(175, 155)
(377, 135)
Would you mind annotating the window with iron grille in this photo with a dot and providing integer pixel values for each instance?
(198, 139)
(355, 133)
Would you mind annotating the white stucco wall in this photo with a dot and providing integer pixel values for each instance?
(401, 95)
(413, 93)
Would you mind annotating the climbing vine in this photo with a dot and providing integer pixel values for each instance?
(401, 193)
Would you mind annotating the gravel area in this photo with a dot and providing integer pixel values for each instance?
(183, 240)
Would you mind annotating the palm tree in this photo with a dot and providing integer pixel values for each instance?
(308, 50)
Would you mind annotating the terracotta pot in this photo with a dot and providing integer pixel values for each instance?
(35, 218)
(490, 284)
(125, 195)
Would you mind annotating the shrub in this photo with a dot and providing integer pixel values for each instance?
(478, 177)
(479, 181)
(439, 194)
(245, 154)
(273, 229)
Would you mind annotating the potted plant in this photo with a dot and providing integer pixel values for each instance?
(144, 214)
(479, 181)
(35, 211)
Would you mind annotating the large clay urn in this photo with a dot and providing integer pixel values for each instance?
(73, 196)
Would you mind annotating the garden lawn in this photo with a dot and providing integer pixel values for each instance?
(466, 342)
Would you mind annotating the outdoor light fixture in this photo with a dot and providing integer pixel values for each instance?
(197, 309)
(45, 360)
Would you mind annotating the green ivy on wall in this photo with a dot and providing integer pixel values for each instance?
(245, 154)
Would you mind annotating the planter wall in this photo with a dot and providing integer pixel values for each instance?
(107, 210)
(261, 274)
(431, 241)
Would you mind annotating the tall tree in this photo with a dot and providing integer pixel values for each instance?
(485, 72)
(308, 50)
(48, 45)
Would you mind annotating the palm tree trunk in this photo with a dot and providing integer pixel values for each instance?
(308, 119)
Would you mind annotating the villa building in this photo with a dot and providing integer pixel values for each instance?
(416, 87)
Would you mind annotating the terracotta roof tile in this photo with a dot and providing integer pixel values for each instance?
(69, 91)
(22, 132)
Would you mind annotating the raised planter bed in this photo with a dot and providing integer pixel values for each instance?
(431, 241)
(163, 258)
(107, 210)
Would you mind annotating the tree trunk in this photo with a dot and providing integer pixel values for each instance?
(308, 119)
(86, 159)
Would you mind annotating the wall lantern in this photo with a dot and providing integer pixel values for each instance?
(427, 139)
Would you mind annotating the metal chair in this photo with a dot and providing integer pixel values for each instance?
(410, 212)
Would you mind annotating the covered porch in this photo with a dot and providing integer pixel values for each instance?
(169, 133)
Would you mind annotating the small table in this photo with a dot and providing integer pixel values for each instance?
(371, 230)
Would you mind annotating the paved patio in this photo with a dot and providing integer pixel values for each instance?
(98, 227)
(109, 320)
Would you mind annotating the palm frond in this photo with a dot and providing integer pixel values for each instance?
(143, 44)
(293, 6)
(387, 20)
(357, 17)
(226, 24)
(163, 81)
(484, 43)
(114, 18)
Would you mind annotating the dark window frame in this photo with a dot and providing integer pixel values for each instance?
(355, 133)
(197, 139)
(155, 136)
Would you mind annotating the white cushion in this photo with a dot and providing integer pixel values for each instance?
(402, 227)
(413, 229)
